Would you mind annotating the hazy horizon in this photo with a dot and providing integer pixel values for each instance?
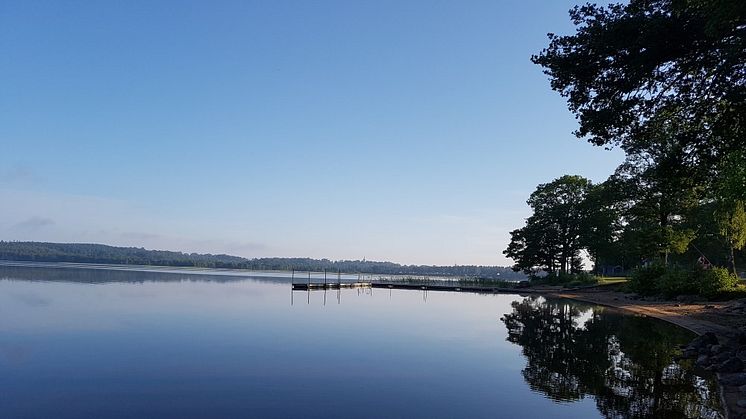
(410, 133)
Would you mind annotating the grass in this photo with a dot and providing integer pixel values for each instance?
(608, 280)
(612, 278)
(566, 281)
(732, 294)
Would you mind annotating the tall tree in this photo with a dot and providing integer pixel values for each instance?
(730, 198)
(601, 227)
(552, 234)
(658, 194)
(732, 224)
(535, 247)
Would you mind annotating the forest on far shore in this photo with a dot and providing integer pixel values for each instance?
(99, 253)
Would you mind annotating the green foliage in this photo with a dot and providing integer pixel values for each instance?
(735, 293)
(677, 281)
(730, 185)
(714, 281)
(670, 282)
(677, 241)
(567, 279)
(664, 81)
(658, 199)
(632, 71)
(581, 279)
(551, 239)
(732, 224)
(644, 280)
(601, 227)
(730, 199)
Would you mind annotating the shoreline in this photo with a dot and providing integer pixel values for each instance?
(693, 316)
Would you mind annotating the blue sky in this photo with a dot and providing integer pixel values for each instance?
(403, 131)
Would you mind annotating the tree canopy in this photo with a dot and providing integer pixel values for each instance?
(634, 71)
(551, 240)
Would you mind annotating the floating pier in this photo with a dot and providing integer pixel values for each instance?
(305, 286)
(312, 286)
(314, 283)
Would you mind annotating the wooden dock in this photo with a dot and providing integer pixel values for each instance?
(306, 286)
(312, 286)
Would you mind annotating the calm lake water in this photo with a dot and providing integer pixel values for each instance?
(78, 343)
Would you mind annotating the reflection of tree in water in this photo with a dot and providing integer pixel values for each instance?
(625, 362)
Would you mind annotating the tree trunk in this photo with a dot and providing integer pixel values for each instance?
(733, 260)
(663, 219)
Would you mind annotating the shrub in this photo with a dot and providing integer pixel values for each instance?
(580, 279)
(656, 279)
(738, 292)
(677, 281)
(714, 281)
(644, 280)
(568, 280)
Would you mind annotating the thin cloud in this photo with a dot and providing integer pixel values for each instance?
(245, 249)
(34, 223)
(166, 242)
(140, 236)
(19, 175)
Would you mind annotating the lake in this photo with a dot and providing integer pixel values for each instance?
(77, 343)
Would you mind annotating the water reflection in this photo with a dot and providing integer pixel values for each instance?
(94, 343)
(102, 276)
(626, 363)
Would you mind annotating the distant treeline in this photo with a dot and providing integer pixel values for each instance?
(99, 253)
